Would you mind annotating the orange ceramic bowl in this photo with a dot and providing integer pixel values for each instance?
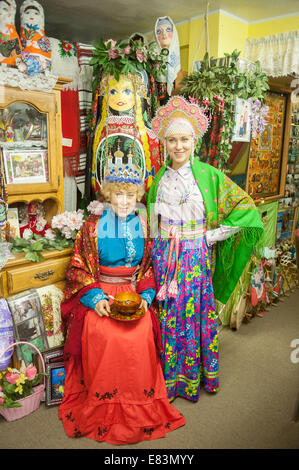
(127, 302)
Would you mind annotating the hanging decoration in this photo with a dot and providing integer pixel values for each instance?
(215, 87)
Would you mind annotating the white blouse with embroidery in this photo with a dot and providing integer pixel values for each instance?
(179, 198)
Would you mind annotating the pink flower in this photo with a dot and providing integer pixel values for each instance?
(30, 372)
(112, 54)
(140, 56)
(0, 389)
(50, 234)
(193, 100)
(95, 207)
(12, 378)
(1, 400)
(112, 43)
(127, 50)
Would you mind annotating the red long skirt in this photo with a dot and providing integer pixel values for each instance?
(118, 395)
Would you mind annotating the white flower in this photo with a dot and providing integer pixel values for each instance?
(59, 221)
(41, 224)
(50, 234)
(27, 234)
(95, 207)
(67, 232)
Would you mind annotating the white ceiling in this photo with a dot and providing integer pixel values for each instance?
(89, 20)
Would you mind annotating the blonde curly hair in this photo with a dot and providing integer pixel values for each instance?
(108, 188)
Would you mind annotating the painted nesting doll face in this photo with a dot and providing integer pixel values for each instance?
(121, 95)
(7, 12)
(4, 12)
(32, 15)
(164, 33)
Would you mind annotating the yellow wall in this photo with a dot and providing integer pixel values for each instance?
(273, 27)
(232, 35)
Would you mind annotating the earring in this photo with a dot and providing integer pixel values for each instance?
(165, 152)
(192, 153)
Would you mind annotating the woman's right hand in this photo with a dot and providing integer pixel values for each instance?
(102, 308)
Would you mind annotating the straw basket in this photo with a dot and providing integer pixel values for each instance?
(30, 403)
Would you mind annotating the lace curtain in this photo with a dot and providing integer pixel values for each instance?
(278, 53)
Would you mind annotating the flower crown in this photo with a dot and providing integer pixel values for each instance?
(179, 109)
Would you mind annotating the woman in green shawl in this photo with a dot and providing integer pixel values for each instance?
(205, 228)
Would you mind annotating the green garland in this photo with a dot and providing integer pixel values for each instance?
(215, 87)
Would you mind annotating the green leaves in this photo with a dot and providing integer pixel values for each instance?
(35, 244)
(222, 79)
(117, 58)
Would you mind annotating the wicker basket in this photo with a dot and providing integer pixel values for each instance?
(30, 403)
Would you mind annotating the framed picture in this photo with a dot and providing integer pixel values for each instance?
(13, 219)
(286, 224)
(54, 383)
(50, 356)
(242, 129)
(25, 167)
(53, 354)
(268, 157)
(28, 323)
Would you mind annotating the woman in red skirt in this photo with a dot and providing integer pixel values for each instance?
(114, 387)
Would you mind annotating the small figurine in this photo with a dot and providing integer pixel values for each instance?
(36, 53)
(34, 221)
(10, 45)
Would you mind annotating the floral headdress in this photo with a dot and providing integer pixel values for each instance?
(177, 117)
(122, 57)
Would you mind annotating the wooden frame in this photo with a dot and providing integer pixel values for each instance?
(54, 383)
(242, 165)
(25, 167)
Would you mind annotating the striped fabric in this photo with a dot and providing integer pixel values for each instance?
(84, 52)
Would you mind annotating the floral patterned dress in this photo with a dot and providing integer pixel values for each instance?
(188, 319)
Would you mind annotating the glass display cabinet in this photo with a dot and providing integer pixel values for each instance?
(31, 155)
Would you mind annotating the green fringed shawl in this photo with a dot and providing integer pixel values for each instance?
(225, 204)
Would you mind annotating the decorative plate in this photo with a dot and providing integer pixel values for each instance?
(121, 317)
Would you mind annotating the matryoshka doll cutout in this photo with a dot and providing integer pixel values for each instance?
(166, 37)
(10, 45)
(123, 133)
(36, 53)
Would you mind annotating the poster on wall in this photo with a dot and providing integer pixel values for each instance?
(242, 129)
(286, 222)
(266, 153)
